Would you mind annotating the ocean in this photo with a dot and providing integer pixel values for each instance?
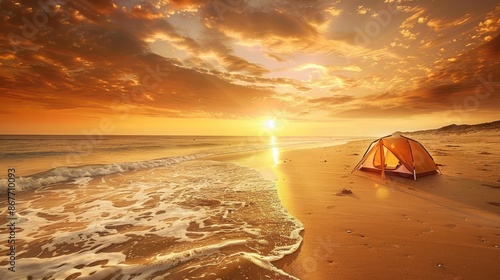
(143, 207)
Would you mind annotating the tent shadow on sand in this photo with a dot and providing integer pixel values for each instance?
(446, 188)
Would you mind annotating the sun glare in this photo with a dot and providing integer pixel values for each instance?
(271, 124)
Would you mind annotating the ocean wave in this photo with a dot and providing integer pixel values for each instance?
(68, 173)
(193, 220)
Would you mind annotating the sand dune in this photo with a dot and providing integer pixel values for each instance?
(483, 128)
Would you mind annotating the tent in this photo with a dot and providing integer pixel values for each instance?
(397, 154)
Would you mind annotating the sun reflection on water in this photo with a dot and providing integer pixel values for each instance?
(274, 151)
(276, 155)
(273, 141)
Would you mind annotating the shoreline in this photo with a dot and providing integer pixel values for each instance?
(439, 227)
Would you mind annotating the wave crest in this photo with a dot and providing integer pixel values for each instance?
(68, 173)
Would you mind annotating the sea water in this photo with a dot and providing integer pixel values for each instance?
(144, 207)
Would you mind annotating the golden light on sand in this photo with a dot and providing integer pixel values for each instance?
(381, 192)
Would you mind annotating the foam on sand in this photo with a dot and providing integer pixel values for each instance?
(194, 218)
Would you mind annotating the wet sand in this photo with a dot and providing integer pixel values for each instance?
(439, 227)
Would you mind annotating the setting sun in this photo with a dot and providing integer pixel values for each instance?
(271, 124)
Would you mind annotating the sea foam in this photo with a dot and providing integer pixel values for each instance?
(193, 219)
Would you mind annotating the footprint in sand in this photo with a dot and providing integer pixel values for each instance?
(430, 230)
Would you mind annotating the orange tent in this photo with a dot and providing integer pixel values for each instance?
(399, 155)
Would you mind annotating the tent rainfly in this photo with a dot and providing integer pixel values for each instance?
(397, 154)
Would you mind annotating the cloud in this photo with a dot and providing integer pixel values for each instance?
(264, 24)
(184, 3)
(416, 17)
(491, 23)
(107, 59)
(408, 34)
(237, 64)
(275, 57)
(286, 26)
(466, 84)
(145, 11)
(363, 10)
(443, 23)
(331, 100)
(491, 49)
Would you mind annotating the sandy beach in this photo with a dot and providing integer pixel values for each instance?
(438, 227)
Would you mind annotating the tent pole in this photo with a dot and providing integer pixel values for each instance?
(423, 148)
(412, 160)
(382, 157)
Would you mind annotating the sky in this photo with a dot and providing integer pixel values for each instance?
(230, 67)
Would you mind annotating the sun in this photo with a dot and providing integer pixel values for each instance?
(271, 124)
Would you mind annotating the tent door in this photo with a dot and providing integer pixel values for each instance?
(391, 162)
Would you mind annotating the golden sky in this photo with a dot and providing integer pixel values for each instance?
(224, 67)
